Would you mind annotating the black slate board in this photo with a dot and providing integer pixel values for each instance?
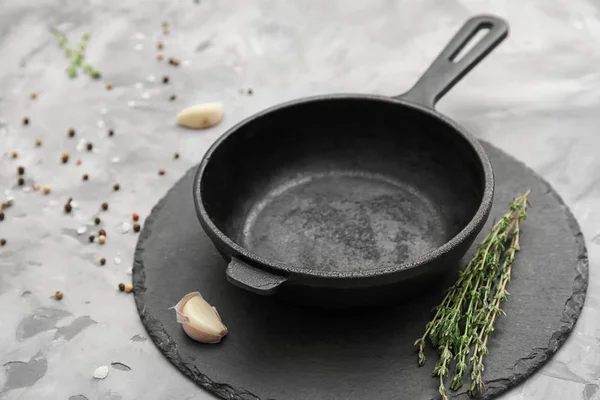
(279, 351)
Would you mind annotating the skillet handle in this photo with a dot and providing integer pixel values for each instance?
(253, 279)
(445, 72)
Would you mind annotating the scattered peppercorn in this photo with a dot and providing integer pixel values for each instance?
(111, 132)
(91, 238)
(160, 56)
(85, 177)
(97, 221)
(2, 242)
(165, 31)
(25, 121)
(108, 85)
(46, 189)
(20, 170)
(122, 287)
(136, 227)
(78, 163)
(102, 261)
(89, 146)
(173, 62)
(161, 171)
(250, 92)
(101, 239)
(176, 156)
(58, 295)
(173, 97)
(21, 181)
(35, 188)
(129, 288)
(33, 95)
(116, 187)
(68, 208)
(64, 158)
(105, 206)
(101, 232)
(160, 45)
(135, 217)
(38, 142)
(14, 154)
(165, 23)
(71, 132)
(165, 79)
(1, 216)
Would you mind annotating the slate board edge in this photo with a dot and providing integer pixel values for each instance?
(527, 365)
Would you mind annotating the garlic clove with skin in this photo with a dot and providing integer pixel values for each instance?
(200, 320)
(200, 116)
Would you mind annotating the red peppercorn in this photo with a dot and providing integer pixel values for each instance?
(135, 217)
(161, 171)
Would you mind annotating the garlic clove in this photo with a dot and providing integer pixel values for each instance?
(200, 320)
(201, 116)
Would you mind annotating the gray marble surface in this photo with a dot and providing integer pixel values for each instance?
(536, 97)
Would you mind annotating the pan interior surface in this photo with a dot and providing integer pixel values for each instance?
(343, 184)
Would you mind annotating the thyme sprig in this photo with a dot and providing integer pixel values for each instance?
(76, 56)
(463, 322)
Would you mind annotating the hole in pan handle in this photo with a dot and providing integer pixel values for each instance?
(253, 279)
(447, 69)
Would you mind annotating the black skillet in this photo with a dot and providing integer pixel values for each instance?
(350, 200)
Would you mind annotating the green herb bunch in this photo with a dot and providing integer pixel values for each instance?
(464, 320)
(77, 56)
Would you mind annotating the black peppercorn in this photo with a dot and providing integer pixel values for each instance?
(105, 206)
(173, 97)
(111, 132)
(68, 208)
(91, 238)
(176, 156)
(71, 132)
(25, 121)
(20, 170)
(89, 147)
(121, 287)
(3, 242)
(116, 187)
(64, 158)
(101, 232)
(21, 181)
(97, 221)
(1, 216)
(102, 261)
(85, 177)
(136, 227)
(165, 79)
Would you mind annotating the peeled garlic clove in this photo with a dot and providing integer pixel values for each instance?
(199, 319)
(201, 116)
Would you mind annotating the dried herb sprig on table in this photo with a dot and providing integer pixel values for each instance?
(464, 320)
(76, 56)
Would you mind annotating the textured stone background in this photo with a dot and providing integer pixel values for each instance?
(536, 97)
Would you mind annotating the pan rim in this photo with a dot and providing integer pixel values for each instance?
(472, 227)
